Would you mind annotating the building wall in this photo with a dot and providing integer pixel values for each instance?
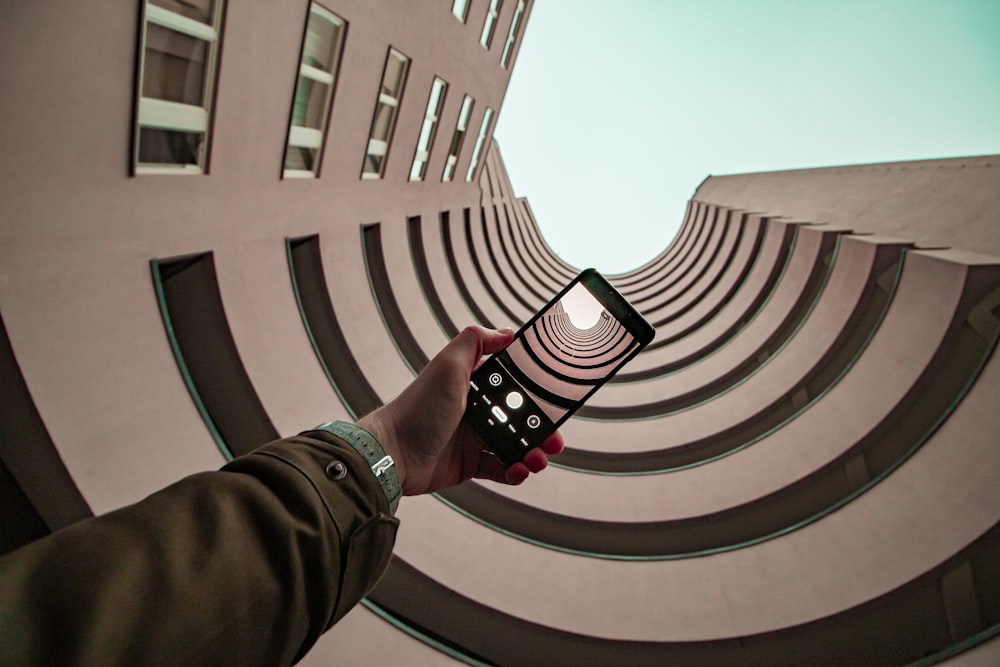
(79, 232)
(800, 469)
(937, 203)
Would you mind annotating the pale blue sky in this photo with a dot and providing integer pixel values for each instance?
(613, 118)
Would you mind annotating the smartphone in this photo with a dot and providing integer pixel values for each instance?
(557, 360)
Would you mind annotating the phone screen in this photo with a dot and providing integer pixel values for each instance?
(556, 361)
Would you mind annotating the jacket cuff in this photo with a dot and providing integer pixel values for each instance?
(366, 444)
(354, 500)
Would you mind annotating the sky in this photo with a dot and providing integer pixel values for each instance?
(582, 309)
(617, 111)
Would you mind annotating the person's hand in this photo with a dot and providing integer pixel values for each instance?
(422, 428)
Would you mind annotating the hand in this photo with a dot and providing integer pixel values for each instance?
(422, 428)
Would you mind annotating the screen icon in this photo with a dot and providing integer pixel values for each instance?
(514, 400)
(495, 379)
(534, 421)
(499, 414)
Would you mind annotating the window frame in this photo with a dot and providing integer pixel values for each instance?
(158, 114)
(300, 136)
(490, 23)
(464, 4)
(382, 147)
(480, 140)
(512, 34)
(423, 156)
(458, 136)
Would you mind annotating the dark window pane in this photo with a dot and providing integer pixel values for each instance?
(175, 66)
(310, 103)
(168, 147)
(302, 159)
(456, 142)
(373, 164)
(321, 39)
(199, 10)
(392, 82)
(384, 115)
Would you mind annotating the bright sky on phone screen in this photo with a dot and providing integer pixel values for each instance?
(574, 345)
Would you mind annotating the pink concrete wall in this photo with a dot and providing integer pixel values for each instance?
(802, 468)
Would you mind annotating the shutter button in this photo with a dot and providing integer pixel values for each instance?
(336, 470)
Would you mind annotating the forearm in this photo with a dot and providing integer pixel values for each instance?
(248, 565)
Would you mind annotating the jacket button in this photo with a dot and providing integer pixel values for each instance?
(336, 470)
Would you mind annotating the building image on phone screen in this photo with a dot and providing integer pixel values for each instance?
(571, 348)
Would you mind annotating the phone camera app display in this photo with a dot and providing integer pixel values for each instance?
(568, 351)
(500, 407)
(556, 361)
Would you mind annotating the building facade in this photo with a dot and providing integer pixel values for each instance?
(225, 223)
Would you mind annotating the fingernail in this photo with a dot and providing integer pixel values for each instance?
(507, 331)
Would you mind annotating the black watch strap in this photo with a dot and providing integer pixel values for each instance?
(381, 464)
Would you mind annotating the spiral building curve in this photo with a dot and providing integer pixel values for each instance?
(802, 468)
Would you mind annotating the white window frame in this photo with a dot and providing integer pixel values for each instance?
(159, 114)
(309, 137)
(483, 129)
(460, 9)
(490, 23)
(422, 155)
(515, 26)
(377, 147)
(461, 125)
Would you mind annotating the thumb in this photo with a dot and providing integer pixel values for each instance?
(477, 341)
(495, 340)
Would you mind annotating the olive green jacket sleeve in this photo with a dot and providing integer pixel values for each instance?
(243, 566)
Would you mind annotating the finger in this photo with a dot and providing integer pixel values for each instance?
(516, 474)
(491, 468)
(554, 444)
(495, 340)
(535, 460)
(473, 342)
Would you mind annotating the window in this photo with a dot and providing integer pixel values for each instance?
(512, 35)
(458, 138)
(428, 129)
(386, 109)
(483, 130)
(177, 71)
(490, 25)
(313, 93)
(460, 8)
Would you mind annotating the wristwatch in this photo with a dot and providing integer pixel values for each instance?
(381, 464)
